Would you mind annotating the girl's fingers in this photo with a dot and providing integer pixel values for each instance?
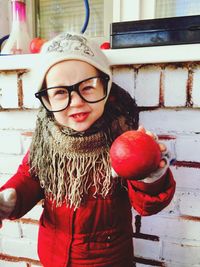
(154, 136)
(162, 147)
(162, 163)
(141, 129)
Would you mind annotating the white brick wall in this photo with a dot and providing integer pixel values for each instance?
(175, 86)
(171, 121)
(19, 247)
(125, 77)
(187, 178)
(151, 249)
(147, 89)
(196, 84)
(9, 90)
(18, 240)
(182, 253)
(18, 119)
(168, 96)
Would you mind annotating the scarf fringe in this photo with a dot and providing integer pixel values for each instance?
(69, 167)
(71, 178)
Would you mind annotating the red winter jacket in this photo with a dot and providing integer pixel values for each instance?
(99, 233)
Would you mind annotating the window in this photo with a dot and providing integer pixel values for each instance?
(150, 9)
(176, 8)
(49, 17)
(53, 17)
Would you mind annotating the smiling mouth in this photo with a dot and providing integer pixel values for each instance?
(79, 117)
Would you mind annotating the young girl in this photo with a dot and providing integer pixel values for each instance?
(87, 218)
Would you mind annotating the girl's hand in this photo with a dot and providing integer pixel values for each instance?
(162, 146)
(8, 198)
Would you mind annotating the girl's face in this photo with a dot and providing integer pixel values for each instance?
(79, 115)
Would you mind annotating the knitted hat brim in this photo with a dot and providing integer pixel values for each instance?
(51, 59)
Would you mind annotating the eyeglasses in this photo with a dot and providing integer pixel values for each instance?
(58, 98)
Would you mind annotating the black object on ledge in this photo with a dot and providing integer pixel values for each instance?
(155, 32)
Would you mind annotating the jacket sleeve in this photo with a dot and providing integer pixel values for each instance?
(28, 189)
(151, 198)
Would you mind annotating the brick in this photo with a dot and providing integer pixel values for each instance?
(177, 264)
(124, 77)
(175, 86)
(30, 84)
(182, 252)
(18, 120)
(187, 148)
(147, 248)
(3, 178)
(189, 203)
(186, 178)
(11, 229)
(12, 264)
(147, 90)
(12, 138)
(195, 88)
(174, 227)
(9, 164)
(29, 231)
(9, 90)
(19, 247)
(171, 121)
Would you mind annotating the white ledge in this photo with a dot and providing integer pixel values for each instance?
(124, 56)
(154, 54)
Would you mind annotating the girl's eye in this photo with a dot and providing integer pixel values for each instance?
(58, 93)
(87, 88)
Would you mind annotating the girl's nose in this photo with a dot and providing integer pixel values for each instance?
(76, 100)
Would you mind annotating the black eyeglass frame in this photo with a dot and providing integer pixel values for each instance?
(75, 88)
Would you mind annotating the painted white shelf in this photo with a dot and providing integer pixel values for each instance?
(125, 56)
(154, 54)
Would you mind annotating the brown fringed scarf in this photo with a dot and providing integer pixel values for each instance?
(68, 163)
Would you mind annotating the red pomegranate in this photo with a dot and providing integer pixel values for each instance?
(134, 155)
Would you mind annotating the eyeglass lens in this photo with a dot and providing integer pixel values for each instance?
(58, 98)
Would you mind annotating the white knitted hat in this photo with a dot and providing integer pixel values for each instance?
(67, 46)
